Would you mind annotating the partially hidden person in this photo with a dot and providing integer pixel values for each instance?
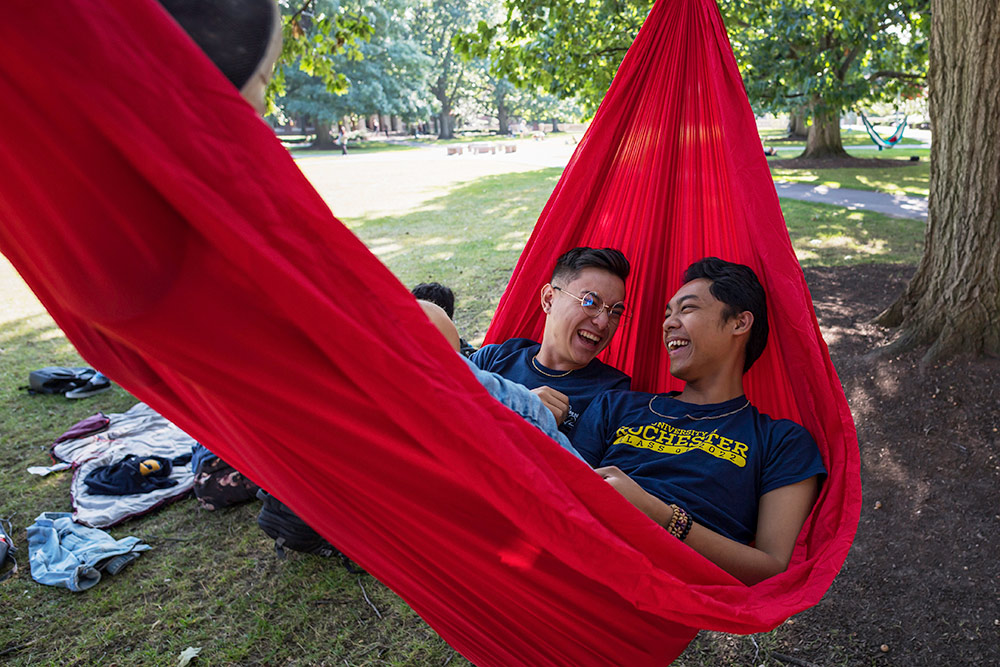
(443, 296)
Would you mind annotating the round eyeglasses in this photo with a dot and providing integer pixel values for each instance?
(593, 305)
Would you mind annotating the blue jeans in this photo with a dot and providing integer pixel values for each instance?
(519, 398)
(63, 553)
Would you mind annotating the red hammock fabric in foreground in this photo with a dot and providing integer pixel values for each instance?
(180, 249)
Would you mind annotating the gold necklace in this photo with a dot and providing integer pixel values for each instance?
(731, 412)
(551, 375)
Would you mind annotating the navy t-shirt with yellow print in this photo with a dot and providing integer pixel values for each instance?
(715, 461)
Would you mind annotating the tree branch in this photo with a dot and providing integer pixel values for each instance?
(848, 59)
(305, 5)
(604, 52)
(889, 74)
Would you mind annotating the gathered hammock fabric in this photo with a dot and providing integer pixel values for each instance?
(183, 253)
(878, 139)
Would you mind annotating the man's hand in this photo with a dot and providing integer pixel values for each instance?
(651, 506)
(782, 513)
(556, 401)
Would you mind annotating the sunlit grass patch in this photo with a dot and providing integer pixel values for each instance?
(908, 180)
(468, 238)
(833, 236)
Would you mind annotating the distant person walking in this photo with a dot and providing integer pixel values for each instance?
(342, 140)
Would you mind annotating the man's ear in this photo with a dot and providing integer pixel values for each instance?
(547, 295)
(743, 323)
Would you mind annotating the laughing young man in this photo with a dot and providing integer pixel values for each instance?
(583, 304)
(735, 484)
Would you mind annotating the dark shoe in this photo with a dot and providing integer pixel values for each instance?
(96, 385)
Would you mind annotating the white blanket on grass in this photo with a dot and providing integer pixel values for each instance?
(141, 431)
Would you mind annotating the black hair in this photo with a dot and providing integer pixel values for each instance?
(570, 263)
(234, 34)
(438, 294)
(738, 288)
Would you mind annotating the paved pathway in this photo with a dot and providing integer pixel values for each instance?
(900, 206)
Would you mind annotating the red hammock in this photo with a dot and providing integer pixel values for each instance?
(180, 249)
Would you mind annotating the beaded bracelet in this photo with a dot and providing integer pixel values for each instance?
(680, 523)
(675, 511)
(686, 529)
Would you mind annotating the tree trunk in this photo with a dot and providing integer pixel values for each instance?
(446, 124)
(555, 125)
(503, 119)
(323, 139)
(824, 137)
(952, 303)
(797, 124)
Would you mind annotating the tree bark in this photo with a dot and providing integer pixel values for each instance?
(323, 139)
(446, 124)
(797, 126)
(555, 125)
(952, 303)
(503, 118)
(824, 137)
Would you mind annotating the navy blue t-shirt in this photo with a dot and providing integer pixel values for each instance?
(715, 461)
(512, 360)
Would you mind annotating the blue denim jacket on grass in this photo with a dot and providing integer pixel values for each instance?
(64, 553)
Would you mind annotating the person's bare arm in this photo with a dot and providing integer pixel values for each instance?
(780, 517)
(556, 401)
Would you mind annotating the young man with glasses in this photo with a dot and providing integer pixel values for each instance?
(734, 484)
(583, 303)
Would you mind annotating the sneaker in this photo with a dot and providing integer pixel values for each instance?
(96, 385)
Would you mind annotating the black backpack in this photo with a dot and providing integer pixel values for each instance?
(57, 379)
(289, 531)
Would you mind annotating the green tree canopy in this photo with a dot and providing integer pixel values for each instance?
(317, 35)
(437, 23)
(828, 56)
(823, 55)
(564, 48)
(387, 74)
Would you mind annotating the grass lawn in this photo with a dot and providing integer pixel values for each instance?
(911, 179)
(212, 579)
(824, 235)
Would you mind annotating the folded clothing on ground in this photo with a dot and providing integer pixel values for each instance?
(132, 474)
(64, 553)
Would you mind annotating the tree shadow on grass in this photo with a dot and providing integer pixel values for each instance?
(824, 235)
